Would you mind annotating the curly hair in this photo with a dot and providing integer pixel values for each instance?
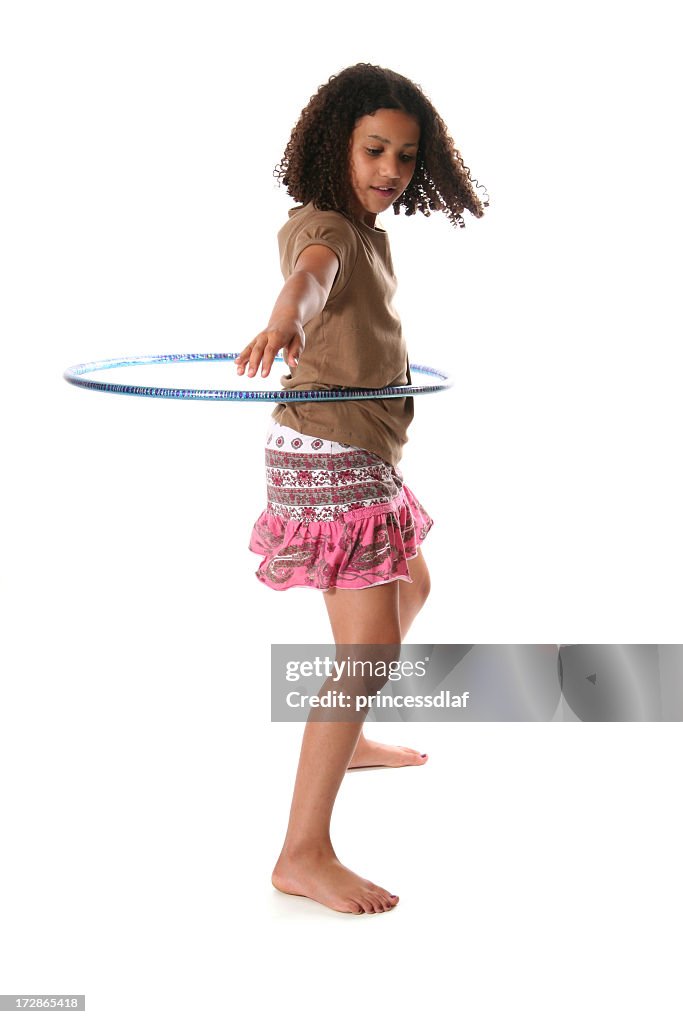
(315, 165)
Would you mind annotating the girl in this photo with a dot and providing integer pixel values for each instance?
(339, 517)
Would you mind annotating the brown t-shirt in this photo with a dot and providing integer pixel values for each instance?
(355, 342)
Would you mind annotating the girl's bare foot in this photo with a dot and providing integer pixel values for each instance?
(321, 877)
(369, 754)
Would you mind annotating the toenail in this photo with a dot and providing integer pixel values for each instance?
(423, 755)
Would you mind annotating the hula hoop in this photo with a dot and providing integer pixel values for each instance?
(74, 375)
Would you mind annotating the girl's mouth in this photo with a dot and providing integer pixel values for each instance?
(383, 191)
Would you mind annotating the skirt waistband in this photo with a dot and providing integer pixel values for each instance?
(313, 479)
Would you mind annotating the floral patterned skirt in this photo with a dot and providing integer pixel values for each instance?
(336, 516)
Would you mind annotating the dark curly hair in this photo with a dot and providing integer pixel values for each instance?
(315, 165)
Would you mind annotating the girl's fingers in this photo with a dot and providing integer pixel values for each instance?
(269, 357)
(291, 354)
(242, 358)
(250, 357)
(272, 349)
(263, 350)
(293, 350)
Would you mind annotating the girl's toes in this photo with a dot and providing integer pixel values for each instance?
(418, 758)
(380, 898)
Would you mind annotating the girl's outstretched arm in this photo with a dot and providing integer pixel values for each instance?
(303, 297)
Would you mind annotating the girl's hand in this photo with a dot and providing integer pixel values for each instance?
(287, 335)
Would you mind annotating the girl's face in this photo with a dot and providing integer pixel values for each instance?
(383, 150)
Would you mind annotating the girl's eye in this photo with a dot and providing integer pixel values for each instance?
(405, 157)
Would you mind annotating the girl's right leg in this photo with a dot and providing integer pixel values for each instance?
(308, 865)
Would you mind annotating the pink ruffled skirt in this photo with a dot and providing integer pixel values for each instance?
(336, 516)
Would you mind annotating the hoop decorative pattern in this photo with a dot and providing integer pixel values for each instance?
(75, 375)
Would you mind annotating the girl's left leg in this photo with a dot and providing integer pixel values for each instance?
(411, 597)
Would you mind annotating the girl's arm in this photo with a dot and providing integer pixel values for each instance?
(303, 297)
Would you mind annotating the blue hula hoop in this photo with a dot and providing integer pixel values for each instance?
(74, 375)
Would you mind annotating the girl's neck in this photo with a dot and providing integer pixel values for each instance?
(368, 219)
(364, 216)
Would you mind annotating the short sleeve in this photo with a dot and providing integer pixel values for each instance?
(319, 227)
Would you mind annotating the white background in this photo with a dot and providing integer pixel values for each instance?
(144, 791)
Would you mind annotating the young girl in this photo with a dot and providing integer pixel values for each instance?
(339, 517)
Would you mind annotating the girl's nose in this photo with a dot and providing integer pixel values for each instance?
(390, 169)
